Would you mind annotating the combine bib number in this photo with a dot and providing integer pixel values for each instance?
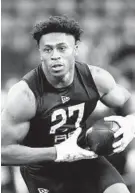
(64, 116)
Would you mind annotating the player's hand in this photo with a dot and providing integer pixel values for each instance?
(126, 130)
(69, 151)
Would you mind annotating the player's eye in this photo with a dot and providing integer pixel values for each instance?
(63, 48)
(47, 50)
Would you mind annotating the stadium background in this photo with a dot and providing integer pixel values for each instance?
(108, 41)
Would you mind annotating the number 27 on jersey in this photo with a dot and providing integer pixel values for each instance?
(79, 108)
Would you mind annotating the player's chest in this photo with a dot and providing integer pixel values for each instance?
(69, 107)
(68, 100)
(60, 113)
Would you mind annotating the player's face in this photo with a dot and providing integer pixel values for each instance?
(57, 52)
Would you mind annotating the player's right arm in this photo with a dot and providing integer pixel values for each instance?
(15, 123)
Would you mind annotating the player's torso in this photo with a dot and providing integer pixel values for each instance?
(61, 111)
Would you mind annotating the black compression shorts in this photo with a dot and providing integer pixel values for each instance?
(79, 177)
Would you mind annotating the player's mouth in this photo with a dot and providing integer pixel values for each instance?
(57, 67)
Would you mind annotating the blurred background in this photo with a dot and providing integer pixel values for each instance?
(108, 41)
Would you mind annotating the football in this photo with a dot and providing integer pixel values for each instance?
(100, 137)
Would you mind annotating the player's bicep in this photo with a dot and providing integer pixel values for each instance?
(19, 109)
(111, 94)
(116, 97)
(12, 131)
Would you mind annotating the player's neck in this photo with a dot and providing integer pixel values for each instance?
(60, 81)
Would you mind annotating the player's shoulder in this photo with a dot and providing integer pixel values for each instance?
(103, 79)
(21, 100)
(20, 90)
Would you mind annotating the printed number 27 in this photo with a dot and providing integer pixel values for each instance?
(62, 113)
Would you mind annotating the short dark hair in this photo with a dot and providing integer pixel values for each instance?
(57, 24)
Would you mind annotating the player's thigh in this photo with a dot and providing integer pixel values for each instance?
(81, 185)
(106, 175)
(117, 188)
(38, 184)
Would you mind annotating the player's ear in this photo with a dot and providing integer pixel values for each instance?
(39, 49)
(40, 56)
(76, 47)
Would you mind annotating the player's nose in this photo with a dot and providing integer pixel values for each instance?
(55, 55)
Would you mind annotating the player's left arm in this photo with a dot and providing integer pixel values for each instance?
(115, 96)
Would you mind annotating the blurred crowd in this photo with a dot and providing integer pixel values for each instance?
(108, 41)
